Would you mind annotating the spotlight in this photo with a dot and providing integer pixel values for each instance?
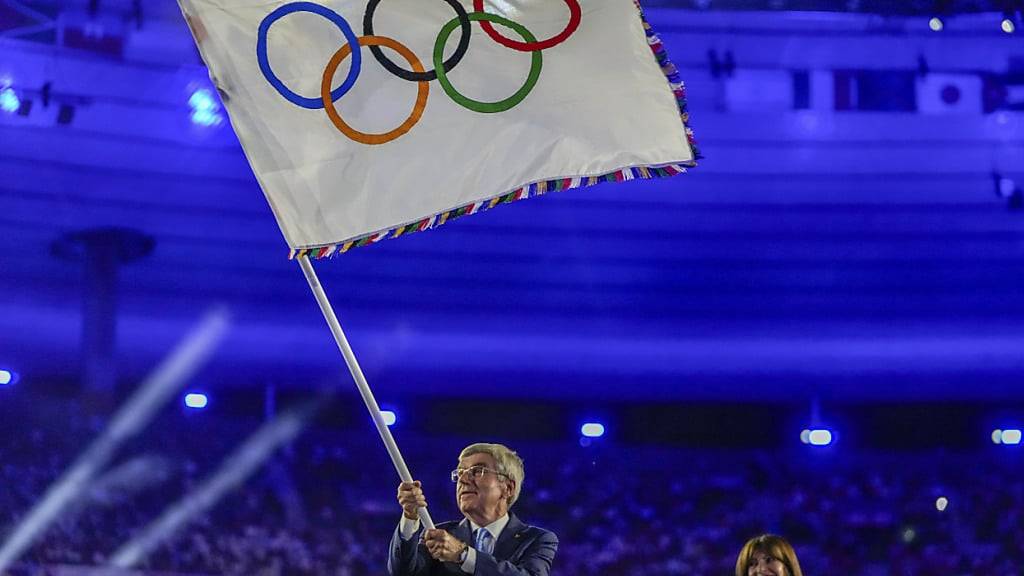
(9, 101)
(816, 437)
(205, 108)
(206, 118)
(936, 24)
(389, 417)
(941, 503)
(1008, 26)
(202, 99)
(1011, 437)
(7, 377)
(592, 430)
(196, 400)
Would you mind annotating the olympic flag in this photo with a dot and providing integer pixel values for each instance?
(439, 108)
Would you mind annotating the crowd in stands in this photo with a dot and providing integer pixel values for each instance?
(325, 504)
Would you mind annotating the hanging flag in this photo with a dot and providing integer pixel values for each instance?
(370, 119)
(949, 94)
(1003, 92)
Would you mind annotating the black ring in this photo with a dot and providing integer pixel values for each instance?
(429, 75)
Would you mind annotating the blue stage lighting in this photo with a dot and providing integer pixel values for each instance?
(205, 108)
(389, 417)
(819, 437)
(1005, 187)
(206, 118)
(1011, 436)
(196, 400)
(203, 99)
(9, 101)
(592, 430)
(936, 24)
(7, 377)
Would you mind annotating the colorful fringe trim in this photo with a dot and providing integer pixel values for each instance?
(674, 81)
(544, 186)
(528, 191)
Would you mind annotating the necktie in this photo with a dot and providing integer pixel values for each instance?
(484, 541)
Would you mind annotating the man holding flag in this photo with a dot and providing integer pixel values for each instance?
(489, 540)
(501, 101)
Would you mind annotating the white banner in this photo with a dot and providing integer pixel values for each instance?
(949, 94)
(533, 95)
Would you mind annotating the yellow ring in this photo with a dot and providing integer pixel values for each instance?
(363, 137)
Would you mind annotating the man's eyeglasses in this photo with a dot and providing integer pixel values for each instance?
(475, 472)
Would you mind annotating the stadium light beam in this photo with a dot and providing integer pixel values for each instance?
(245, 460)
(140, 408)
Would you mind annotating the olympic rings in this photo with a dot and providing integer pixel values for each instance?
(332, 112)
(418, 74)
(264, 62)
(475, 105)
(460, 50)
(575, 15)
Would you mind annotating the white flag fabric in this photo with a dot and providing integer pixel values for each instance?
(368, 119)
(950, 94)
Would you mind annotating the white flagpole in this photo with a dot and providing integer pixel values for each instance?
(357, 375)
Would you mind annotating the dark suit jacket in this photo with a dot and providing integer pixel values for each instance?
(521, 550)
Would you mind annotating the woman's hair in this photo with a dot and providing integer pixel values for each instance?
(772, 545)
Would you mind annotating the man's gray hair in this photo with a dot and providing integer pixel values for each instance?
(505, 460)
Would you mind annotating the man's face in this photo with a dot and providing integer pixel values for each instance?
(483, 497)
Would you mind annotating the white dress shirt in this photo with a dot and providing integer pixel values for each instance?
(408, 528)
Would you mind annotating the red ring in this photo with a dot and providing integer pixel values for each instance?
(575, 15)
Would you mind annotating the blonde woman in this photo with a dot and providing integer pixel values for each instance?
(767, 555)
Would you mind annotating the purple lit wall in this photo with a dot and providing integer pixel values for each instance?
(843, 238)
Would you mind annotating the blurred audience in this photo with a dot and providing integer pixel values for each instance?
(325, 504)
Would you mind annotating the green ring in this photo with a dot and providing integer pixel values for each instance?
(476, 105)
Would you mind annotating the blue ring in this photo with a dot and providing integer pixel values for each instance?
(339, 21)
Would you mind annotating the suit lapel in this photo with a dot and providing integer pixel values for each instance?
(463, 531)
(510, 539)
